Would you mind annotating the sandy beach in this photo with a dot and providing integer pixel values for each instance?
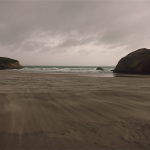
(58, 111)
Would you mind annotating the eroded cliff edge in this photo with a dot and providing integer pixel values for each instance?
(8, 63)
(137, 62)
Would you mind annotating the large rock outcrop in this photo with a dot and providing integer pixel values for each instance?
(137, 62)
(8, 63)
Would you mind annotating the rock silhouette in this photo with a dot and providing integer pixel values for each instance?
(8, 63)
(99, 68)
(137, 62)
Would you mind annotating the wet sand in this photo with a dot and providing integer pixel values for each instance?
(48, 111)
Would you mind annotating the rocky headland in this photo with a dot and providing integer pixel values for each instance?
(8, 63)
(137, 62)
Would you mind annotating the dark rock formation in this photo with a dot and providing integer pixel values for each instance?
(137, 62)
(8, 63)
(99, 68)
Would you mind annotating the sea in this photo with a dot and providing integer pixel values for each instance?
(79, 70)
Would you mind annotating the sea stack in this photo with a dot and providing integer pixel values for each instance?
(137, 62)
(99, 68)
(8, 63)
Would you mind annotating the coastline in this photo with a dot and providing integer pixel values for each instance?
(69, 111)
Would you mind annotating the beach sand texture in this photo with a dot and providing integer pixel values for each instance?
(48, 111)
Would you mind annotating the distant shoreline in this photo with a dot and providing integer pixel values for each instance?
(16, 72)
(83, 70)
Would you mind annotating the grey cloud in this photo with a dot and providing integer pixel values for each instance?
(73, 41)
(84, 52)
(115, 23)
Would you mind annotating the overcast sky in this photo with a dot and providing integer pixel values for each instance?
(73, 32)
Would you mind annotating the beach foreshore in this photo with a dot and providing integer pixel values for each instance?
(69, 111)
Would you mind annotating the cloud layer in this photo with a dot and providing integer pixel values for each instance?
(83, 29)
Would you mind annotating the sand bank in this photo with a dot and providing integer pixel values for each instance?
(48, 111)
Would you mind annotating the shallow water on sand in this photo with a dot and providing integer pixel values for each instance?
(83, 70)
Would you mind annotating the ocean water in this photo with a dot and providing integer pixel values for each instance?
(81, 70)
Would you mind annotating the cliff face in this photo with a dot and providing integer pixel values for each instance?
(8, 63)
(137, 62)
